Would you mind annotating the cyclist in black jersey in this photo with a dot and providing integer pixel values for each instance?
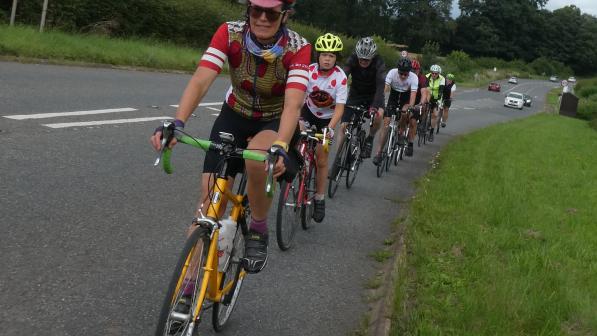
(449, 90)
(367, 69)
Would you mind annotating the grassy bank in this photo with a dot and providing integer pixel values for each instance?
(503, 234)
(26, 42)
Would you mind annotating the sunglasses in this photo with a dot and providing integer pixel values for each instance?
(435, 73)
(403, 74)
(271, 15)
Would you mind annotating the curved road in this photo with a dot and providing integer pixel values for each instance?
(91, 230)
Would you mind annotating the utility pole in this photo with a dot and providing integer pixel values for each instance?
(43, 16)
(13, 12)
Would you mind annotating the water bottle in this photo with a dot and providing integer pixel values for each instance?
(225, 242)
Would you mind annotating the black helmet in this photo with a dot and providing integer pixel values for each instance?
(404, 65)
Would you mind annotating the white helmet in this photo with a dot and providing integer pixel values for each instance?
(436, 68)
(366, 48)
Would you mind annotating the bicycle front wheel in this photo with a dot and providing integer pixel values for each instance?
(308, 197)
(176, 315)
(338, 167)
(288, 214)
(233, 278)
(354, 161)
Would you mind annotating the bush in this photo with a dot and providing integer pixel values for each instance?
(587, 109)
(458, 61)
(430, 52)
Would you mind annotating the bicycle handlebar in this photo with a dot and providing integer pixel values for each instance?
(320, 137)
(170, 132)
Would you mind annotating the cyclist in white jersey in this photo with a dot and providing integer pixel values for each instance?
(402, 84)
(327, 92)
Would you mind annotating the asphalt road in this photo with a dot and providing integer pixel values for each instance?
(90, 230)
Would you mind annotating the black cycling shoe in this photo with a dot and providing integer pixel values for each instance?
(319, 210)
(367, 146)
(431, 135)
(377, 159)
(443, 124)
(255, 252)
(409, 150)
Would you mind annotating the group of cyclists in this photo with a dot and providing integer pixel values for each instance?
(275, 90)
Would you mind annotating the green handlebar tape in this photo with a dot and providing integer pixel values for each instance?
(166, 160)
(199, 143)
(252, 155)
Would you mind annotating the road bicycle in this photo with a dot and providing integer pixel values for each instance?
(201, 279)
(393, 149)
(348, 157)
(296, 197)
(440, 115)
(424, 125)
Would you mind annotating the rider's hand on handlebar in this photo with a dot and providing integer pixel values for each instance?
(372, 111)
(156, 138)
(329, 132)
(280, 156)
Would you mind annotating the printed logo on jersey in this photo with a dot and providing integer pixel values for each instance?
(321, 98)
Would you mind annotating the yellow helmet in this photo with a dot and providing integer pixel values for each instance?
(328, 43)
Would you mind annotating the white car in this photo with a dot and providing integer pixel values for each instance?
(572, 79)
(553, 78)
(514, 99)
(513, 80)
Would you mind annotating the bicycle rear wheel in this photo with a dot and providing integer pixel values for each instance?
(338, 167)
(288, 214)
(184, 288)
(308, 197)
(390, 149)
(233, 277)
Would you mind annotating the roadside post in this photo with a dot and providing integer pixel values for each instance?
(13, 12)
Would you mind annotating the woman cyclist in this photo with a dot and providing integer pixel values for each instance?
(326, 95)
(268, 70)
(449, 90)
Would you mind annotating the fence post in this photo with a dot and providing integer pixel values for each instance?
(43, 16)
(13, 12)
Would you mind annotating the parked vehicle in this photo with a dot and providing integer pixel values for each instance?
(572, 80)
(493, 86)
(513, 80)
(553, 78)
(527, 100)
(514, 99)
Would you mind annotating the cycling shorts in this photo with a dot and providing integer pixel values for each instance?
(241, 128)
(447, 102)
(396, 101)
(312, 119)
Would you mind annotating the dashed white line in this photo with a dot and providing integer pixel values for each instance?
(204, 104)
(68, 114)
(103, 122)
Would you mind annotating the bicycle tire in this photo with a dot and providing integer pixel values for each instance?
(440, 115)
(198, 241)
(309, 197)
(288, 213)
(222, 310)
(355, 158)
(390, 150)
(337, 168)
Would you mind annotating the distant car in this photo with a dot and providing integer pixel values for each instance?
(527, 100)
(553, 78)
(493, 86)
(513, 80)
(514, 99)
(572, 79)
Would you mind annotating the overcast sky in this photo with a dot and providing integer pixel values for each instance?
(586, 6)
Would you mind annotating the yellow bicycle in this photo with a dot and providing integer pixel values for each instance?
(203, 279)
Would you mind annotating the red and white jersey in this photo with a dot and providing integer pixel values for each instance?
(325, 91)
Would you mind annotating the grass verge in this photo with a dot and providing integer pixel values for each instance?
(28, 43)
(503, 234)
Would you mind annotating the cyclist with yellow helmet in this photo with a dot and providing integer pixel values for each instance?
(327, 92)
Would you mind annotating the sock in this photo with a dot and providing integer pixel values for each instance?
(259, 226)
(319, 197)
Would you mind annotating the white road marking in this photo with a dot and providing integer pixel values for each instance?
(103, 122)
(203, 104)
(68, 114)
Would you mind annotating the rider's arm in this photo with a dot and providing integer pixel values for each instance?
(380, 79)
(194, 92)
(414, 87)
(210, 66)
(294, 95)
(340, 100)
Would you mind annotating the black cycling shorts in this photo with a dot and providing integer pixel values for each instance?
(447, 102)
(241, 128)
(395, 102)
(362, 102)
(313, 120)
